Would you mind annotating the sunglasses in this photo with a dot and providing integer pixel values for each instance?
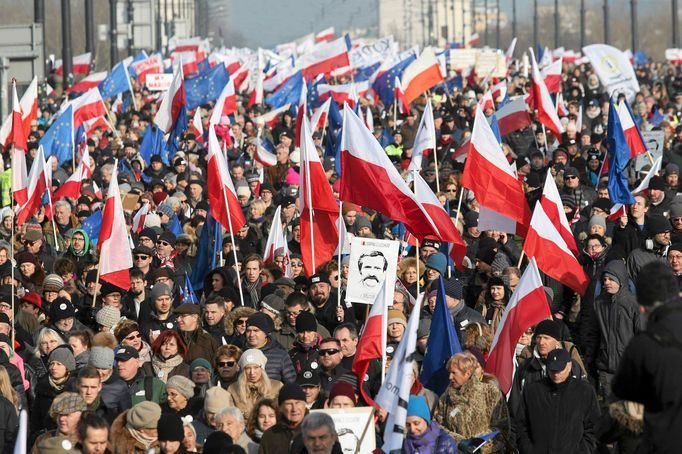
(296, 264)
(226, 363)
(241, 321)
(294, 314)
(329, 351)
(163, 243)
(676, 219)
(141, 257)
(570, 177)
(451, 190)
(133, 337)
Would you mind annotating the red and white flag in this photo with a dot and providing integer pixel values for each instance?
(632, 135)
(543, 102)
(319, 210)
(198, 124)
(618, 208)
(271, 118)
(551, 74)
(440, 217)
(527, 307)
(513, 116)
(509, 54)
(151, 65)
(473, 40)
(29, 105)
(140, 217)
(319, 119)
(369, 179)
(554, 208)
(486, 101)
(554, 257)
(326, 57)
(263, 156)
(372, 343)
(276, 238)
(425, 140)
(85, 84)
(403, 107)
(37, 183)
(81, 65)
(72, 187)
(86, 107)
(17, 136)
(171, 104)
(343, 93)
(116, 258)
(226, 104)
(422, 74)
(19, 147)
(499, 90)
(488, 173)
(221, 194)
(325, 35)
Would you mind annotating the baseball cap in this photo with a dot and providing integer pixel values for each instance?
(126, 352)
(557, 360)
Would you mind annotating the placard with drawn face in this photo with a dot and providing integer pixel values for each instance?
(371, 262)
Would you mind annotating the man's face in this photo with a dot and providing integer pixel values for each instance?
(662, 238)
(229, 425)
(78, 242)
(188, 322)
(571, 181)
(319, 292)
(252, 271)
(65, 324)
(89, 389)
(127, 369)
(200, 375)
(237, 173)
(330, 355)
(672, 179)
(293, 411)
(227, 367)
(255, 337)
(311, 393)
(372, 271)
(656, 195)
(319, 441)
(163, 304)
(137, 286)
(282, 154)
(213, 314)
(675, 261)
(639, 209)
(68, 424)
(545, 344)
(95, 441)
(348, 345)
(561, 376)
(62, 213)
(610, 284)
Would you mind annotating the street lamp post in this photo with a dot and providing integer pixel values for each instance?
(606, 21)
(113, 30)
(67, 56)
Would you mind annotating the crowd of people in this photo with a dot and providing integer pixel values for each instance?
(103, 369)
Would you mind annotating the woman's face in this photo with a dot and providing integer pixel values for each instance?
(134, 340)
(253, 374)
(47, 345)
(57, 370)
(410, 275)
(176, 401)
(296, 267)
(266, 418)
(457, 377)
(3, 256)
(432, 303)
(416, 425)
(169, 348)
(190, 441)
(76, 345)
(7, 223)
(27, 269)
(497, 292)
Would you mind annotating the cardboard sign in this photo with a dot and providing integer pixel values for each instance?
(354, 427)
(159, 82)
(371, 263)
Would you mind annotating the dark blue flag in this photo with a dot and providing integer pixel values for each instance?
(495, 127)
(187, 292)
(288, 93)
(153, 144)
(118, 81)
(206, 86)
(58, 140)
(441, 345)
(92, 226)
(217, 244)
(203, 260)
(619, 156)
(175, 227)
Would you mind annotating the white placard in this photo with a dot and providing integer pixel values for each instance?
(354, 427)
(654, 141)
(371, 262)
(159, 82)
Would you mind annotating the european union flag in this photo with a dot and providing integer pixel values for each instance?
(58, 140)
(619, 156)
(92, 226)
(174, 226)
(188, 295)
(206, 86)
(384, 84)
(313, 92)
(366, 72)
(139, 57)
(289, 92)
(441, 345)
(203, 261)
(152, 144)
(116, 82)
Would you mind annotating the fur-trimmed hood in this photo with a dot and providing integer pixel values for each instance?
(237, 313)
(124, 442)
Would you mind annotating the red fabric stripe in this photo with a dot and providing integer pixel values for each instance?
(326, 66)
(120, 278)
(553, 215)
(217, 200)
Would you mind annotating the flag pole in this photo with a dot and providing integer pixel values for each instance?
(415, 238)
(518, 265)
(11, 258)
(309, 196)
(234, 247)
(340, 247)
(435, 153)
(49, 201)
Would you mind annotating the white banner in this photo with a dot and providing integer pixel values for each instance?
(614, 70)
(371, 262)
(159, 82)
(377, 51)
(354, 427)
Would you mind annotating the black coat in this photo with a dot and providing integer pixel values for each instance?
(557, 418)
(649, 373)
(9, 424)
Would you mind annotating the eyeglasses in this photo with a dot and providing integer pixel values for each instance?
(451, 190)
(329, 351)
(226, 363)
(141, 257)
(294, 313)
(570, 177)
(296, 264)
(241, 321)
(133, 337)
(676, 219)
(163, 243)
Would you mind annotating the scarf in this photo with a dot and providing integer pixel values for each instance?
(145, 353)
(163, 367)
(498, 311)
(167, 261)
(254, 290)
(424, 443)
(145, 440)
(58, 384)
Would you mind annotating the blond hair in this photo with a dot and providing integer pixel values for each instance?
(6, 389)
(464, 361)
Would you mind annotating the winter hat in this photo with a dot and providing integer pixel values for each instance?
(453, 288)
(33, 298)
(243, 191)
(500, 262)
(60, 309)
(292, 178)
(108, 316)
(168, 237)
(417, 406)
(27, 257)
(675, 211)
(611, 276)
(66, 403)
(305, 321)
(261, 321)
(549, 328)
(215, 399)
(486, 255)
(361, 222)
(253, 357)
(290, 391)
(597, 220)
(170, 427)
(603, 204)
(152, 220)
(672, 169)
(53, 283)
(181, 384)
(101, 357)
(160, 290)
(217, 443)
(166, 209)
(148, 233)
(657, 224)
(200, 362)
(471, 219)
(438, 262)
(557, 359)
(396, 316)
(342, 388)
(273, 303)
(495, 280)
(164, 271)
(144, 415)
(657, 182)
(63, 354)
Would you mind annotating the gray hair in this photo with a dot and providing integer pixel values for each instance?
(235, 412)
(317, 419)
(62, 203)
(44, 335)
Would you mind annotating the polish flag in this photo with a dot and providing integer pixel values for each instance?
(543, 103)
(499, 90)
(197, 123)
(422, 74)
(632, 135)
(486, 101)
(140, 217)
(276, 238)
(86, 107)
(344, 92)
(319, 210)
(372, 343)
(171, 104)
(191, 44)
(403, 107)
(446, 228)
(188, 61)
(18, 139)
(271, 117)
(85, 84)
(301, 114)
(81, 65)
(319, 119)
(221, 193)
(29, 105)
(527, 307)
(473, 40)
(369, 179)
(509, 54)
(325, 35)
(151, 65)
(226, 104)
(72, 187)
(561, 109)
(424, 140)
(326, 57)
(554, 257)
(17, 136)
(369, 119)
(263, 156)
(37, 183)
(554, 209)
(643, 186)
(343, 246)
(513, 116)
(551, 75)
(116, 258)
(488, 173)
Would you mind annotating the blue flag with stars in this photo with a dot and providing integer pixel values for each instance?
(58, 140)
(116, 82)
(153, 143)
(384, 84)
(187, 292)
(288, 93)
(619, 157)
(92, 226)
(206, 86)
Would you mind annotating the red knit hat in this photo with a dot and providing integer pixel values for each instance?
(33, 298)
(342, 388)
